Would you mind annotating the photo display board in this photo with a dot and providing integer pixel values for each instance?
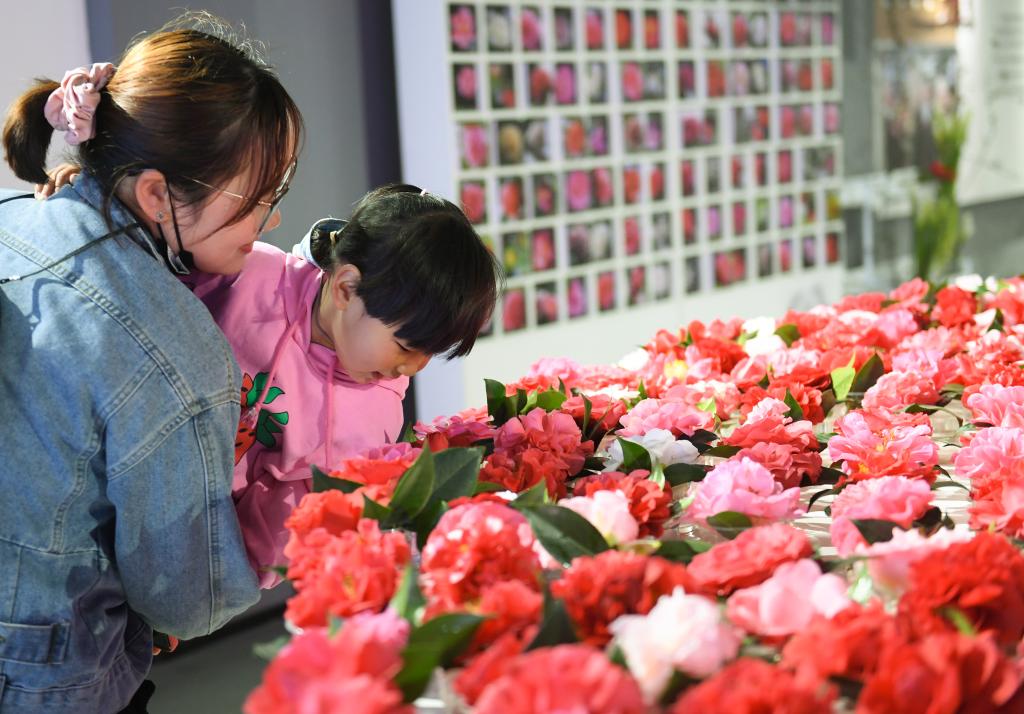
(618, 155)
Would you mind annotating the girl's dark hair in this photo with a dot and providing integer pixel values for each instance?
(422, 267)
(192, 101)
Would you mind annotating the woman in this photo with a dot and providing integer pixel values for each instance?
(121, 395)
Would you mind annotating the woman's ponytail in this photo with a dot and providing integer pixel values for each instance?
(27, 133)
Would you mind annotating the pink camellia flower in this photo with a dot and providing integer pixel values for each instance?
(889, 498)
(462, 429)
(896, 390)
(465, 81)
(530, 26)
(608, 512)
(893, 326)
(578, 190)
(565, 678)
(898, 450)
(672, 415)
(463, 25)
(681, 632)
(474, 202)
(632, 82)
(767, 421)
(889, 562)
(744, 486)
(350, 671)
(565, 84)
(606, 290)
(786, 602)
(994, 461)
(475, 149)
(997, 405)
(563, 368)
(514, 311)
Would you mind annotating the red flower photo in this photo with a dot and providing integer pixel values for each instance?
(682, 29)
(531, 29)
(464, 82)
(473, 199)
(730, 267)
(546, 303)
(462, 28)
(652, 29)
(513, 312)
(594, 28)
(606, 291)
(624, 29)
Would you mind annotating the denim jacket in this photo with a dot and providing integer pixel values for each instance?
(120, 402)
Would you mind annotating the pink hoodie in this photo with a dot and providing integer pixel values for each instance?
(265, 312)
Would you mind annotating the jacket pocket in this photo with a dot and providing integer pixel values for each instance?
(33, 644)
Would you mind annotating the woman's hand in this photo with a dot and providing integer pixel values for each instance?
(59, 177)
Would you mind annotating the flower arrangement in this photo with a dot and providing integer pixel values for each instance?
(741, 516)
(937, 230)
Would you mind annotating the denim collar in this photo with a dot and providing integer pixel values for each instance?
(89, 188)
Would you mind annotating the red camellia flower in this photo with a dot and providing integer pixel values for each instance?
(849, 645)
(566, 678)
(350, 672)
(983, 579)
(944, 673)
(475, 546)
(648, 502)
(490, 664)
(334, 511)
(341, 575)
(753, 685)
(605, 413)
(598, 589)
(954, 306)
(749, 559)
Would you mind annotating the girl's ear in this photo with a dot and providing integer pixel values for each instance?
(343, 284)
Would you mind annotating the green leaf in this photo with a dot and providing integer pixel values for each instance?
(822, 493)
(702, 439)
(998, 321)
(556, 627)
(268, 650)
(550, 400)
(634, 456)
(830, 476)
(730, 523)
(535, 495)
(408, 435)
(950, 484)
(500, 407)
(641, 391)
(272, 394)
(796, 412)
(842, 380)
(722, 450)
(952, 389)
(408, 600)
(789, 333)
(322, 482)
(868, 374)
(487, 487)
(875, 530)
(425, 521)
(564, 534)
(708, 405)
(414, 488)
(681, 551)
(456, 471)
(434, 644)
(279, 417)
(677, 474)
(372, 509)
(959, 620)
(828, 400)
(258, 382)
(588, 407)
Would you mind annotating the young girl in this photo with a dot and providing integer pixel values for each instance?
(326, 352)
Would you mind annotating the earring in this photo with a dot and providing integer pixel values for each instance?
(160, 216)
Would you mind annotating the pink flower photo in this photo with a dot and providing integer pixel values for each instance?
(475, 150)
(606, 291)
(576, 296)
(513, 314)
(531, 29)
(473, 199)
(462, 27)
(546, 303)
(465, 84)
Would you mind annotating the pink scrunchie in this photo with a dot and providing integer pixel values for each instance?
(72, 106)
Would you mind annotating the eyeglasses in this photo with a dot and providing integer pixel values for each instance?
(271, 205)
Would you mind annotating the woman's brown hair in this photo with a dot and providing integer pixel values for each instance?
(191, 101)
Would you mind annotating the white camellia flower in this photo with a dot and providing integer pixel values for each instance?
(661, 444)
(970, 283)
(758, 326)
(684, 632)
(635, 360)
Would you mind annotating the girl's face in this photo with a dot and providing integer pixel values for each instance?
(367, 348)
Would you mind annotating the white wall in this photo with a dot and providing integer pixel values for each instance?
(39, 39)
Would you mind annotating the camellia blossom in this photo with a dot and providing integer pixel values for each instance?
(675, 416)
(748, 559)
(608, 512)
(889, 561)
(649, 503)
(784, 603)
(661, 444)
(996, 405)
(348, 672)
(890, 451)
(896, 499)
(744, 486)
(681, 632)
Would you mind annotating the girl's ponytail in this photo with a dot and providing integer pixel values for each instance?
(27, 133)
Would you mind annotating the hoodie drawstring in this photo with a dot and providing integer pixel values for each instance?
(252, 413)
(329, 386)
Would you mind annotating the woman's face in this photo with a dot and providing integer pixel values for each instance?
(218, 246)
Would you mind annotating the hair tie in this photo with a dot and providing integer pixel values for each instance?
(72, 106)
(424, 192)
